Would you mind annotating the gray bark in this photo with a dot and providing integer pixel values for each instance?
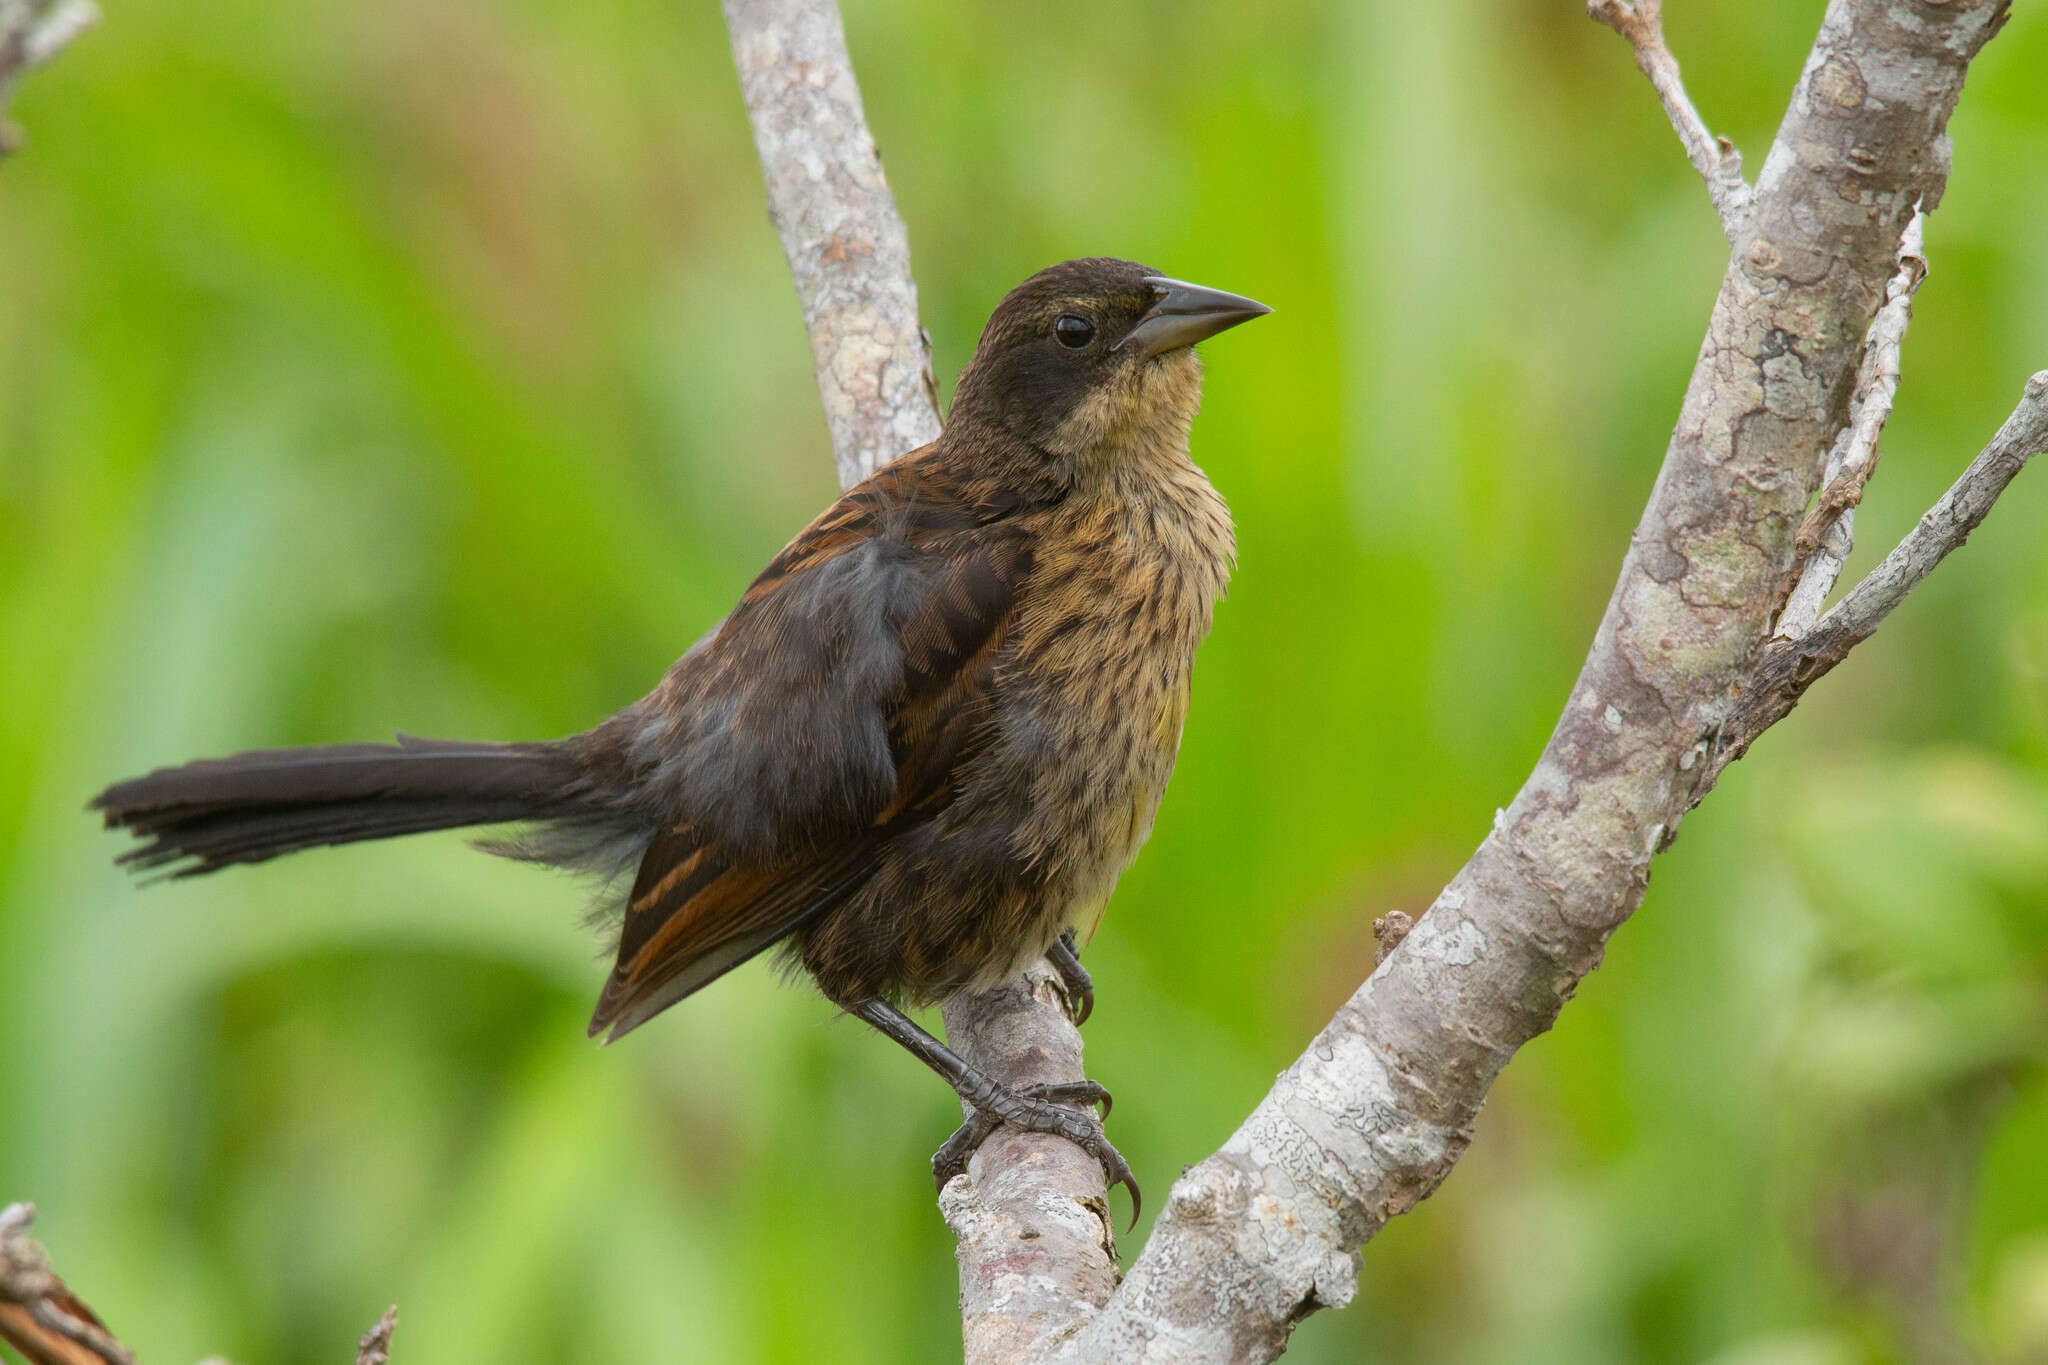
(1037, 1247)
(848, 252)
(1789, 666)
(1372, 1117)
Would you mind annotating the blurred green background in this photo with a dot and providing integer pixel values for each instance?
(431, 365)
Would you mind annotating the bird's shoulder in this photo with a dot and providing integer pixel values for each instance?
(931, 500)
(924, 557)
(850, 674)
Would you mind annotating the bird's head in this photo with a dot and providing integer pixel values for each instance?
(1094, 355)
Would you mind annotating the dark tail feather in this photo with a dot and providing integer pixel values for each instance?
(254, 806)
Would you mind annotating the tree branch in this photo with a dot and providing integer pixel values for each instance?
(39, 1316)
(375, 1346)
(1829, 532)
(1716, 159)
(1037, 1248)
(848, 252)
(32, 32)
(1372, 1117)
(1789, 666)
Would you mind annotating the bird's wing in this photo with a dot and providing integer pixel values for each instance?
(832, 709)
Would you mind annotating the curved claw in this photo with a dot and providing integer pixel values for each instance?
(1074, 978)
(1043, 1109)
(1083, 1093)
(951, 1158)
(1117, 1171)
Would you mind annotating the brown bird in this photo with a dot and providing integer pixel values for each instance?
(919, 751)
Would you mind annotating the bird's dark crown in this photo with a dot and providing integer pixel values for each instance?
(1089, 366)
(1052, 342)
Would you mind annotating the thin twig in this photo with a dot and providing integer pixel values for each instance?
(31, 33)
(1789, 666)
(375, 1346)
(1715, 158)
(1950, 521)
(1829, 532)
(39, 1316)
(848, 252)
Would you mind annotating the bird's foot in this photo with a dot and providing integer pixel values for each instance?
(1074, 979)
(1060, 1108)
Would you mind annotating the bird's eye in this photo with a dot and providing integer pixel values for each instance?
(1073, 332)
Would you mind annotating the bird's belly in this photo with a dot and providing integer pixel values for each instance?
(1092, 731)
(1095, 800)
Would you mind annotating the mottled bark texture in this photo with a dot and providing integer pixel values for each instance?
(1036, 1249)
(1374, 1114)
(848, 252)
(1788, 666)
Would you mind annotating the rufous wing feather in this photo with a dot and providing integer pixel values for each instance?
(694, 914)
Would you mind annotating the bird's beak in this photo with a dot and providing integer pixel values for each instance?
(1185, 314)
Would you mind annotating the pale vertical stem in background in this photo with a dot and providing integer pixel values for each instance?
(848, 252)
(32, 32)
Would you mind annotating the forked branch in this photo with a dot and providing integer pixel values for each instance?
(1375, 1113)
(1791, 665)
(1829, 532)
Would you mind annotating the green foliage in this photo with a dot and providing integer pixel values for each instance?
(431, 366)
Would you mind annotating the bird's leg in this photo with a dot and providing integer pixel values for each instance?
(1074, 979)
(1059, 1108)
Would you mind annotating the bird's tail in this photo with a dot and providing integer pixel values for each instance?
(254, 806)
